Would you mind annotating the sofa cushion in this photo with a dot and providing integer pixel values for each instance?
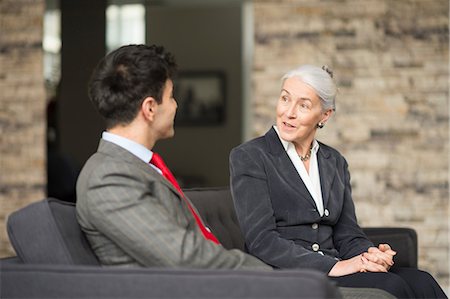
(47, 232)
(62, 281)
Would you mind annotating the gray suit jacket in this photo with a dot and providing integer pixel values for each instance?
(278, 215)
(131, 215)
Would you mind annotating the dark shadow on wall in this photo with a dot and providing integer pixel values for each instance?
(198, 154)
(62, 171)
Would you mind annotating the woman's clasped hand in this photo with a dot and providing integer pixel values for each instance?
(379, 259)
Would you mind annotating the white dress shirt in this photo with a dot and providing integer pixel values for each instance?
(311, 179)
(133, 147)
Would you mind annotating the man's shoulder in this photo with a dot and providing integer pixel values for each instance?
(99, 163)
(106, 178)
(103, 170)
(112, 158)
(100, 167)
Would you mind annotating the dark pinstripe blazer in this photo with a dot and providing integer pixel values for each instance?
(278, 215)
(131, 215)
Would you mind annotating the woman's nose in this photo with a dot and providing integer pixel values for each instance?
(291, 111)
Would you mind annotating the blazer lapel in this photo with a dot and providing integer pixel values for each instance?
(285, 167)
(120, 153)
(327, 172)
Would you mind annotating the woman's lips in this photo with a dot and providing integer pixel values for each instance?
(288, 125)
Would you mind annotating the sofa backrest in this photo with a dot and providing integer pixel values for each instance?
(47, 232)
(216, 208)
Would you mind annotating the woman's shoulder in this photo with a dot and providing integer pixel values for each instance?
(255, 144)
(264, 143)
(329, 151)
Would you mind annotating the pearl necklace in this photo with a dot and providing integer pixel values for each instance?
(307, 156)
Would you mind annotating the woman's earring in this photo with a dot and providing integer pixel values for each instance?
(320, 125)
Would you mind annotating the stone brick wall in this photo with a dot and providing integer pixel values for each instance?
(390, 59)
(22, 109)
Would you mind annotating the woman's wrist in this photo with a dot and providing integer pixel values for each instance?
(346, 267)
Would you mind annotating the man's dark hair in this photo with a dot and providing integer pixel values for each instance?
(125, 77)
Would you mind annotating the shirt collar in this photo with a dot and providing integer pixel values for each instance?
(288, 144)
(133, 147)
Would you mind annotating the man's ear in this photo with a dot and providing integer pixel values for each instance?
(149, 107)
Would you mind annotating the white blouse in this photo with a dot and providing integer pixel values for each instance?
(311, 179)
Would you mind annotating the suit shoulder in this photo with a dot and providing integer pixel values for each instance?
(101, 167)
(102, 162)
(331, 151)
(255, 144)
(98, 163)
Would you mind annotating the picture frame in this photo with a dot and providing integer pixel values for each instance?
(201, 98)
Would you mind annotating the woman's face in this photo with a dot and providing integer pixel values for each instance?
(299, 111)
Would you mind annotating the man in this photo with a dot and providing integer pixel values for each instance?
(130, 212)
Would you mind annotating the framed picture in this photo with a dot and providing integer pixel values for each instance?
(201, 97)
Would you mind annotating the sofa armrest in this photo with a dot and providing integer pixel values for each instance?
(402, 240)
(47, 232)
(76, 281)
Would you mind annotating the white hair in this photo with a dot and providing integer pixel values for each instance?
(320, 79)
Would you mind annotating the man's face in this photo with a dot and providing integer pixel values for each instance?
(165, 114)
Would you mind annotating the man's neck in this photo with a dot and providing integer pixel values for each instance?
(134, 133)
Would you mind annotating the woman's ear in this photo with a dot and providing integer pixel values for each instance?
(149, 107)
(326, 115)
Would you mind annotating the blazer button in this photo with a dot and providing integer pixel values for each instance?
(315, 247)
(315, 226)
(326, 213)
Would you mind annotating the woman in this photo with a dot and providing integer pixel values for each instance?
(293, 197)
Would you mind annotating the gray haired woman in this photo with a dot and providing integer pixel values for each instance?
(293, 197)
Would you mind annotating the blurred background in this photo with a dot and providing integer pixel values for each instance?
(390, 59)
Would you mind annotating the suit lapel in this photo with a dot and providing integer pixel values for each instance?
(120, 153)
(284, 163)
(327, 171)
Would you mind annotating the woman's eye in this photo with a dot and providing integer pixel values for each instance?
(304, 106)
(284, 98)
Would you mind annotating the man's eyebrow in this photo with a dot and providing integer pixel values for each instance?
(285, 90)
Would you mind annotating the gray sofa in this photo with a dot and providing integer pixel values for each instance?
(54, 260)
(216, 207)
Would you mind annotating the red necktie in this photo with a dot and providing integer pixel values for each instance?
(158, 162)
